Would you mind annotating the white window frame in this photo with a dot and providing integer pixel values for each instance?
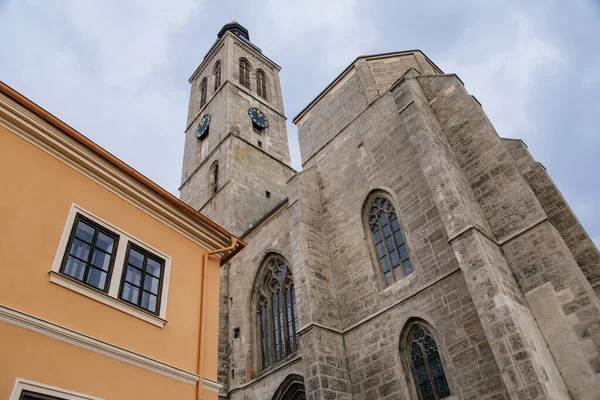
(22, 385)
(112, 297)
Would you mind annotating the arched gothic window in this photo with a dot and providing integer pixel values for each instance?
(426, 364)
(276, 315)
(215, 177)
(261, 84)
(390, 246)
(203, 88)
(244, 73)
(217, 74)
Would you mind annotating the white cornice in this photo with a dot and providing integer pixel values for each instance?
(54, 331)
(46, 137)
(211, 385)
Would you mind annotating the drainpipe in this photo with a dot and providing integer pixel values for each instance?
(232, 246)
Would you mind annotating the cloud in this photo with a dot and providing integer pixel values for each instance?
(117, 70)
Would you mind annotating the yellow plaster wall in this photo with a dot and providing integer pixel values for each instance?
(37, 192)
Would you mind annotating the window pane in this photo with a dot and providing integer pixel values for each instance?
(388, 278)
(151, 284)
(105, 242)
(407, 267)
(130, 293)
(149, 301)
(85, 232)
(133, 275)
(295, 318)
(281, 324)
(96, 278)
(399, 238)
(394, 257)
(75, 268)
(153, 268)
(136, 258)
(275, 320)
(385, 265)
(80, 249)
(403, 252)
(101, 259)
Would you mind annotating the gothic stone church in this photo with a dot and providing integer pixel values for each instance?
(417, 255)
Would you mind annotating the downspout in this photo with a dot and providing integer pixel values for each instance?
(232, 246)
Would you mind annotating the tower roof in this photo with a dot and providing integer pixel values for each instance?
(238, 30)
(235, 28)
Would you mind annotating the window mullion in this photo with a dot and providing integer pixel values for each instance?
(143, 277)
(431, 380)
(88, 264)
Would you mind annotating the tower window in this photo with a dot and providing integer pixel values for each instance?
(261, 84)
(217, 74)
(268, 194)
(260, 144)
(203, 88)
(244, 73)
(236, 333)
(215, 178)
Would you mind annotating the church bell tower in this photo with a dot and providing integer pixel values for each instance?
(236, 157)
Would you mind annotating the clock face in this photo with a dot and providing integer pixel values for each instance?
(202, 130)
(258, 117)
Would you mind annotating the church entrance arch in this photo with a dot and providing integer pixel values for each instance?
(292, 388)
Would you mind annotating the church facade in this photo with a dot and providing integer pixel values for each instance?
(417, 255)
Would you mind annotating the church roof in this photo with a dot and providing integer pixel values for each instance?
(320, 95)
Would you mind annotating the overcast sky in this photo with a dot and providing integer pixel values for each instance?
(117, 70)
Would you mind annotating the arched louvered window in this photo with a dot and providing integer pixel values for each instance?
(426, 364)
(276, 314)
(215, 177)
(261, 84)
(244, 73)
(388, 239)
(203, 89)
(217, 74)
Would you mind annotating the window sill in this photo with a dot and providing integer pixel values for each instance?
(104, 298)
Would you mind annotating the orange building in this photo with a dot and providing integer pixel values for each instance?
(109, 285)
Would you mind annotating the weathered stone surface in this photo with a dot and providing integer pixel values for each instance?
(503, 271)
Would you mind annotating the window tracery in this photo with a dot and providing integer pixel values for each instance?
(390, 246)
(426, 364)
(276, 313)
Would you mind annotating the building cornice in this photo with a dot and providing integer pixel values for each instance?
(35, 125)
(69, 336)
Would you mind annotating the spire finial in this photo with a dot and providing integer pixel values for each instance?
(233, 18)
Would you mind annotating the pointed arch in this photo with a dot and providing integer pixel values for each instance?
(384, 229)
(244, 72)
(203, 92)
(292, 388)
(217, 75)
(421, 354)
(274, 302)
(261, 84)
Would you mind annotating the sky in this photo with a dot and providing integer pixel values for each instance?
(117, 70)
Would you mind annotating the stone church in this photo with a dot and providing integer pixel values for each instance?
(417, 255)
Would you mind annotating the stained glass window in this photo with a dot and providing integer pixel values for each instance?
(215, 178)
(277, 318)
(426, 364)
(244, 73)
(390, 246)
